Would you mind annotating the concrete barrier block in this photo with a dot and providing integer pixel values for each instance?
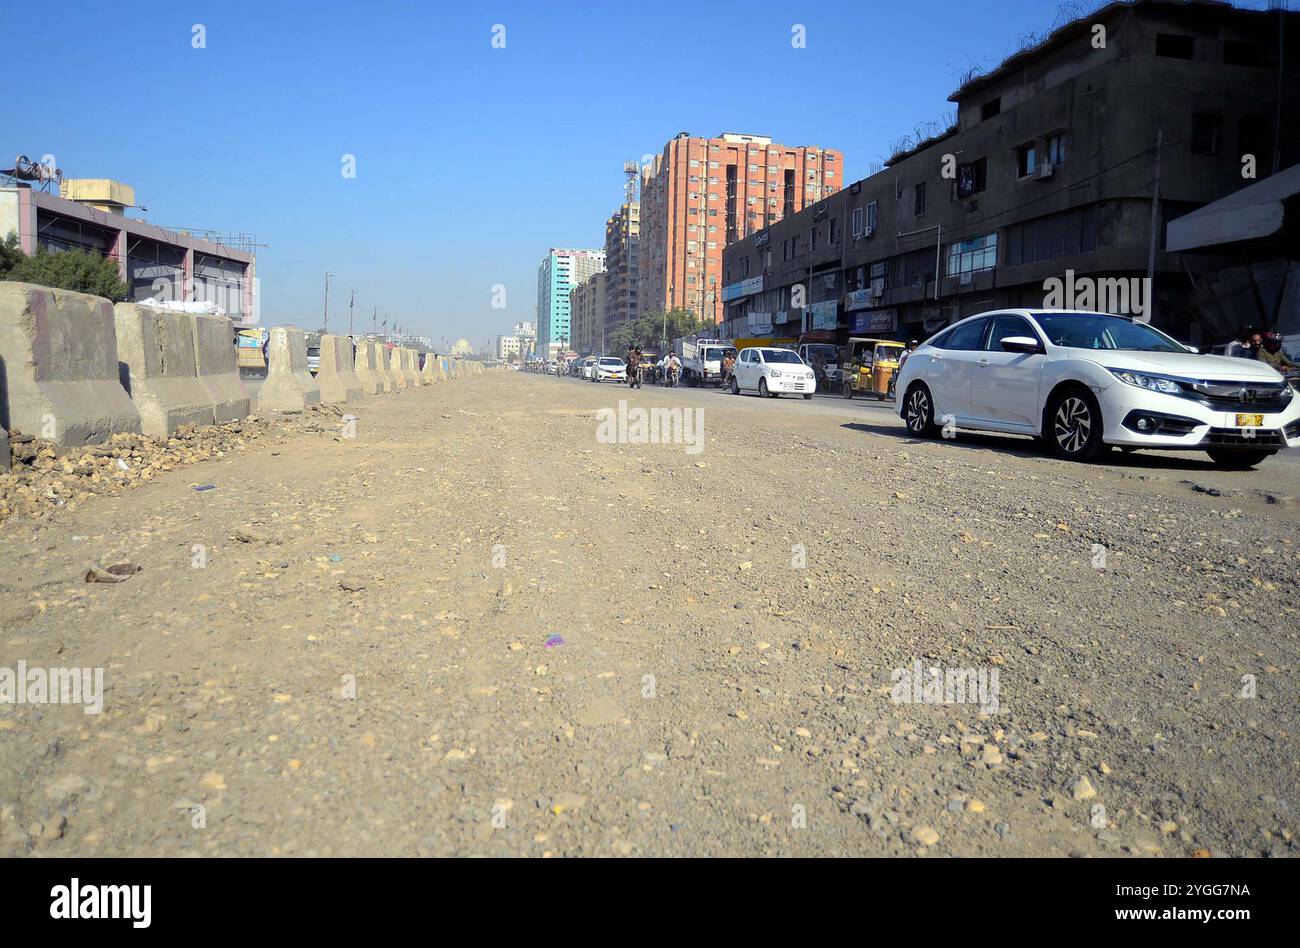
(58, 367)
(337, 380)
(384, 368)
(288, 386)
(216, 365)
(396, 366)
(155, 354)
(413, 369)
(428, 371)
(366, 365)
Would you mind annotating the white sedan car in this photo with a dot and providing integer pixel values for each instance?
(1083, 381)
(588, 367)
(772, 372)
(609, 369)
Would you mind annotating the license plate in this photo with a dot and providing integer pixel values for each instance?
(1250, 421)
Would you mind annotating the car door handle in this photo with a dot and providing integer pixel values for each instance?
(983, 362)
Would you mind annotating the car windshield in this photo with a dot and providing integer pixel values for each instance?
(781, 357)
(613, 362)
(827, 353)
(1087, 331)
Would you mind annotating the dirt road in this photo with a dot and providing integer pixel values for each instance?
(475, 628)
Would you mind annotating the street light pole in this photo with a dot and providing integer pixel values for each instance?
(326, 323)
(351, 304)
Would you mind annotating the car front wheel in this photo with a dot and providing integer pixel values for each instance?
(919, 414)
(735, 386)
(762, 388)
(1075, 425)
(1232, 460)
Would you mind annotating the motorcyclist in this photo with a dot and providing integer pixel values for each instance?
(1240, 346)
(633, 367)
(672, 370)
(902, 358)
(1270, 351)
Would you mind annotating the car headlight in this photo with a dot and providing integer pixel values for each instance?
(775, 373)
(1154, 383)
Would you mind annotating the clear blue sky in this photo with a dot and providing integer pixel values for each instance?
(471, 161)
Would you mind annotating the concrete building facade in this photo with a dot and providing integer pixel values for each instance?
(622, 250)
(507, 347)
(588, 306)
(702, 194)
(153, 261)
(1049, 173)
(559, 272)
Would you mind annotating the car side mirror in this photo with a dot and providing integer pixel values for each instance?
(1021, 344)
(1191, 348)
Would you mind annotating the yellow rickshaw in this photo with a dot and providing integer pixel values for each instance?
(869, 366)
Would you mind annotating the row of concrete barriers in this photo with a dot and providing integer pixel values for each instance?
(75, 368)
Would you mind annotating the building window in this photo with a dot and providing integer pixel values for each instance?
(744, 267)
(990, 109)
(870, 227)
(834, 236)
(970, 177)
(857, 222)
(1026, 159)
(1055, 149)
(971, 256)
(1205, 133)
(812, 238)
(918, 205)
(1175, 46)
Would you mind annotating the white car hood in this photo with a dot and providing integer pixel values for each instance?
(1188, 365)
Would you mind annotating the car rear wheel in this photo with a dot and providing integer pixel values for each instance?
(1235, 460)
(1075, 425)
(919, 413)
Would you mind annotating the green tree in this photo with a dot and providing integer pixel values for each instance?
(647, 331)
(64, 270)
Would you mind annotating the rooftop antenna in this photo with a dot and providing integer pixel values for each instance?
(630, 175)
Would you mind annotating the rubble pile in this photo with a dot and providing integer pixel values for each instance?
(42, 480)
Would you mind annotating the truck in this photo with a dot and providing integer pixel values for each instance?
(702, 358)
(824, 358)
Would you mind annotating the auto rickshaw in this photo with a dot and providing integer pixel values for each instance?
(870, 366)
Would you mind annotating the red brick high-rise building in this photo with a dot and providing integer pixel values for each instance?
(704, 193)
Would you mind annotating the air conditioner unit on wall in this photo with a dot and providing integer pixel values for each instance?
(1044, 171)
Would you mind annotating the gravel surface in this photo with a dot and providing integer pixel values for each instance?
(474, 628)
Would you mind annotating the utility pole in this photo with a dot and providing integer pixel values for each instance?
(326, 323)
(374, 321)
(352, 303)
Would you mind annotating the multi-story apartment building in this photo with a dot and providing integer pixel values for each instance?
(587, 306)
(559, 272)
(702, 194)
(1051, 169)
(507, 347)
(622, 240)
